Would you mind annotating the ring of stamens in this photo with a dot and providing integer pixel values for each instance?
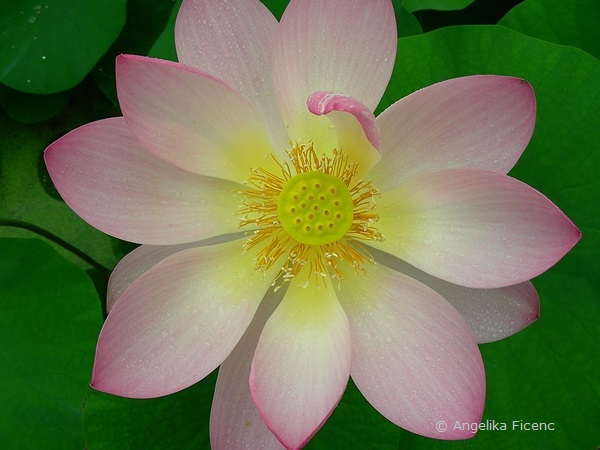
(313, 218)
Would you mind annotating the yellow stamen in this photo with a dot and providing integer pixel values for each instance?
(314, 218)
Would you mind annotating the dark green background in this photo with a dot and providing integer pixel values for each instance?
(57, 72)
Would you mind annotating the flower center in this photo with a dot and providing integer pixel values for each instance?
(313, 219)
(315, 208)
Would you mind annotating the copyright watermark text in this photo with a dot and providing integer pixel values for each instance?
(493, 425)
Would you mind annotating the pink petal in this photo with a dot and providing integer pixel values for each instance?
(178, 321)
(492, 314)
(111, 181)
(235, 423)
(415, 360)
(190, 119)
(480, 122)
(134, 265)
(474, 228)
(302, 363)
(339, 108)
(140, 260)
(354, 125)
(233, 42)
(346, 46)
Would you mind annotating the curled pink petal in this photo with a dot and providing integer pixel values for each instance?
(479, 122)
(474, 228)
(354, 125)
(345, 46)
(414, 358)
(302, 363)
(191, 119)
(492, 314)
(178, 321)
(235, 423)
(111, 181)
(331, 104)
(233, 41)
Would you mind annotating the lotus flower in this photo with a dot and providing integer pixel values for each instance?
(295, 240)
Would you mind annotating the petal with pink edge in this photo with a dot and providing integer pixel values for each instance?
(143, 258)
(354, 125)
(190, 119)
(346, 46)
(235, 423)
(111, 181)
(233, 42)
(479, 122)
(474, 228)
(302, 363)
(492, 314)
(178, 321)
(414, 358)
